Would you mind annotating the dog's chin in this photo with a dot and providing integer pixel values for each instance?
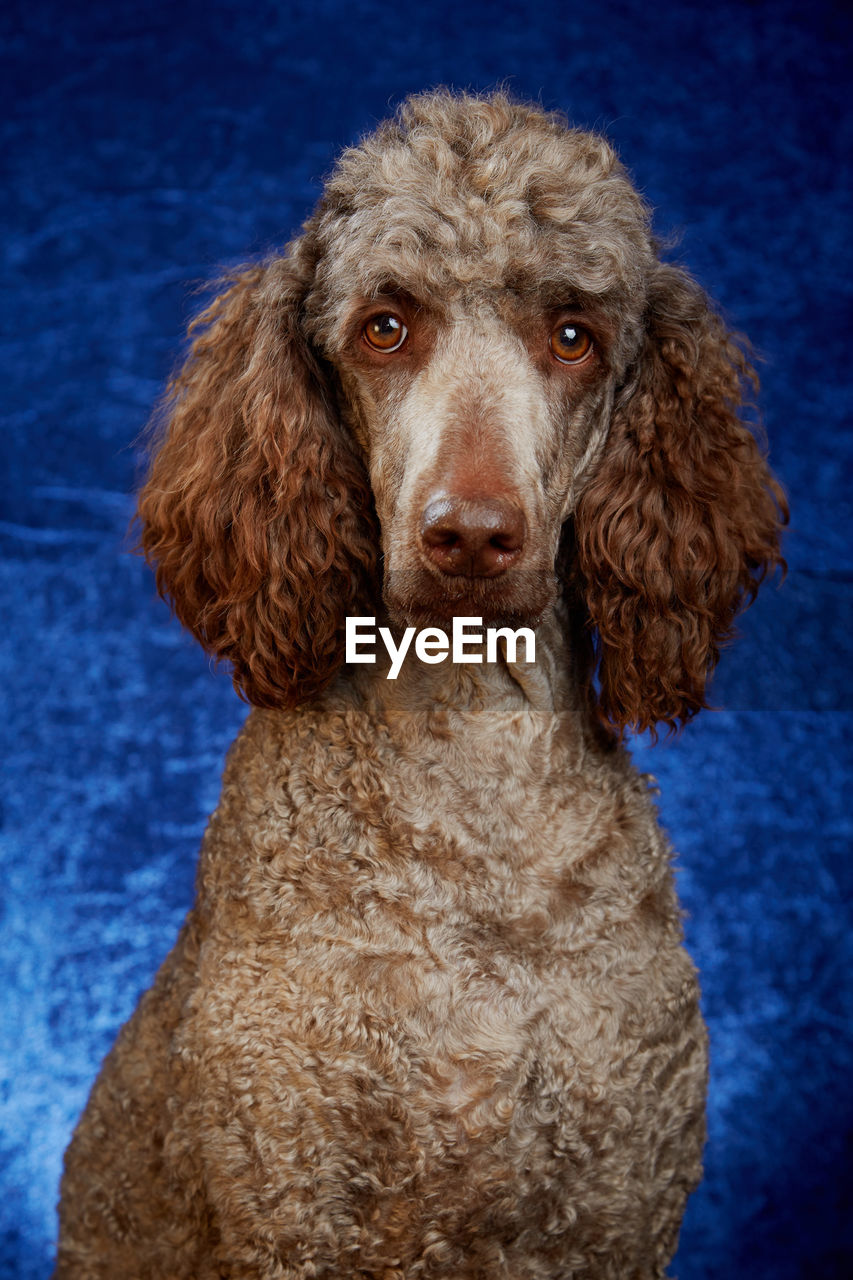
(414, 598)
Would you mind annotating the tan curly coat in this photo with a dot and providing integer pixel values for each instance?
(430, 1015)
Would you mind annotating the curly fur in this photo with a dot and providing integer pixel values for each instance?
(256, 513)
(430, 1015)
(680, 522)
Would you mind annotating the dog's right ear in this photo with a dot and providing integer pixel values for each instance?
(257, 514)
(681, 520)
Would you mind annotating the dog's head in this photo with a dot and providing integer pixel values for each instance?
(473, 362)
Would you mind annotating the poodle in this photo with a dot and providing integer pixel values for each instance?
(430, 1014)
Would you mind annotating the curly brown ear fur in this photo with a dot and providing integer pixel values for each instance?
(256, 514)
(681, 520)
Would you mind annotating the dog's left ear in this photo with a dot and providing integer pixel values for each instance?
(681, 520)
(257, 512)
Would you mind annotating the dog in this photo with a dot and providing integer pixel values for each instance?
(430, 1014)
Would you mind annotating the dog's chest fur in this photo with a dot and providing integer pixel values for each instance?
(422, 1024)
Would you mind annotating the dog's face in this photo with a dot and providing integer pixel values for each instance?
(476, 413)
(480, 307)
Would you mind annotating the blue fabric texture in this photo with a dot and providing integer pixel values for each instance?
(149, 144)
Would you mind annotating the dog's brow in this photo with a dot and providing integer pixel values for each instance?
(387, 287)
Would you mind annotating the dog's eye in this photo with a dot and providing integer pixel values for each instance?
(570, 343)
(385, 332)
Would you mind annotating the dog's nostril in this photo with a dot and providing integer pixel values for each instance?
(439, 536)
(478, 537)
(505, 541)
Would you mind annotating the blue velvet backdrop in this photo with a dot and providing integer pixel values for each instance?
(149, 143)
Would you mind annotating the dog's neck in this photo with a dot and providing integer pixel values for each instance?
(471, 690)
(501, 734)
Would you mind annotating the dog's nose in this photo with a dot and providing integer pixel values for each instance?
(477, 537)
